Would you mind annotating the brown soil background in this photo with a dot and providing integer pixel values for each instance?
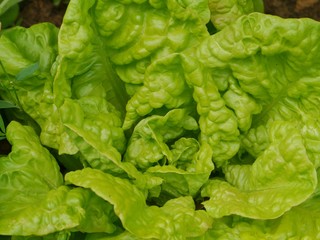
(34, 11)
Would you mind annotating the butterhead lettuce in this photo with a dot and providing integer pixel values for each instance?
(161, 120)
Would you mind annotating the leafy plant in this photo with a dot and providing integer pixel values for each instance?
(177, 132)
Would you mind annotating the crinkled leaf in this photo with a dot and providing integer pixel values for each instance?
(301, 222)
(97, 122)
(62, 235)
(58, 209)
(148, 144)
(29, 156)
(21, 47)
(259, 69)
(178, 181)
(177, 218)
(21, 50)
(280, 178)
(164, 87)
(33, 199)
(218, 123)
(83, 68)
(136, 34)
(95, 128)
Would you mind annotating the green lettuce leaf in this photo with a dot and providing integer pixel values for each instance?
(83, 67)
(34, 200)
(177, 218)
(280, 178)
(301, 222)
(184, 165)
(94, 125)
(261, 68)
(283, 82)
(138, 33)
(164, 88)
(243, 102)
(92, 121)
(9, 12)
(124, 32)
(187, 179)
(155, 132)
(26, 57)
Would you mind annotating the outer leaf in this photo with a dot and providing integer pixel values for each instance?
(262, 190)
(95, 122)
(177, 218)
(301, 222)
(21, 50)
(94, 125)
(17, 52)
(33, 199)
(29, 156)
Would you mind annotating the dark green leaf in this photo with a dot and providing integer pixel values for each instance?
(2, 129)
(6, 4)
(27, 72)
(6, 104)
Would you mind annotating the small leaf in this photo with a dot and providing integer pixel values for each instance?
(27, 72)
(2, 128)
(5, 104)
(6, 4)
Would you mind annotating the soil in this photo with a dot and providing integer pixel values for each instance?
(34, 11)
(293, 8)
(5, 147)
